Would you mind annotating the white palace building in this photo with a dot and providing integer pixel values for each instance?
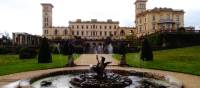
(89, 30)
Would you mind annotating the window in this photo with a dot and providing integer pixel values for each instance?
(93, 26)
(100, 33)
(168, 16)
(161, 17)
(82, 26)
(110, 27)
(93, 33)
(110, 33)
(122, 33)
(153, 18)
(177, 26)
(46, 24)
(115, 27)
(105, 33)
(72, 26)
(56, 32)
(177, 18)
(154, 26)
(72, 32)
(115, 33)
(46, 14)
(100, 26)
(77, 33)
(82, 33)
(45, 31)
(140, 20)
(77, 27)
(46, 19)
(86, 32)
(105, 27)
(86, 26)
(65, 32)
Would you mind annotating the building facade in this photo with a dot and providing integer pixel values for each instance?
(149, 21)
(88, 30)
(25, 39)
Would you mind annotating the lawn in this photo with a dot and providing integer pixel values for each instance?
(185, 60)
(12, 64)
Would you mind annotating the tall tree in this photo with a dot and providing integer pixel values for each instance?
(44, 53)
(146, 51)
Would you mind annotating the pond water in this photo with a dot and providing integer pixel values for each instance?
(63, 81)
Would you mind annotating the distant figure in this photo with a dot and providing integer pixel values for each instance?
(110, 48)
(100, 49)
(94, 48)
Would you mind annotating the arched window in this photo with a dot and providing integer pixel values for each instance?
(122, 33)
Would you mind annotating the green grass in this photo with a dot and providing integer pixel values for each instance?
(12, 64)
(185, 60)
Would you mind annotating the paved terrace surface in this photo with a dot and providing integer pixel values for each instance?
(189, 81)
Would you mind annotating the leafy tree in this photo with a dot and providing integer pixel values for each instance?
(44, 53)
(146, 51)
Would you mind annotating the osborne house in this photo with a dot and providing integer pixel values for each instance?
(91, 31)
(147, 21)
(150, 21)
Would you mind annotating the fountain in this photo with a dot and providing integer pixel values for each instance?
(100, 79)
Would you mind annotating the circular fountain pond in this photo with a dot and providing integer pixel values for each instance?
(63, 79)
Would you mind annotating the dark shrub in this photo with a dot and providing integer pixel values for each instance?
(3, 50)
(27, 53)
(122, 48)
(78, 49)
(146, 51)
(68, 48)
(54, 50)
(44, 52)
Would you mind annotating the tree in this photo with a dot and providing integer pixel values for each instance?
(181, 29)
(122, 51)
(68, 49)
(44, 52)
(146, 51)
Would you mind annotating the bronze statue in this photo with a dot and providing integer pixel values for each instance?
(100, 67)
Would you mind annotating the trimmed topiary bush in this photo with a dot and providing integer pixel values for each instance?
(146, 51)
(44, 52)
(27, 53)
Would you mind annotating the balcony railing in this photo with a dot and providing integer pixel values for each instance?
(166, 21)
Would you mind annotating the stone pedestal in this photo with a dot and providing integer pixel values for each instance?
(70, 62)
(123, 60)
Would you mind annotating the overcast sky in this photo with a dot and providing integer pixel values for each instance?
(26, 15)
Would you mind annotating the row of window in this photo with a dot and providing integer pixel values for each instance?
(45, 19)
(161, 17)
(92, 33)
(93, 27)
(166, 26)
(46, 24)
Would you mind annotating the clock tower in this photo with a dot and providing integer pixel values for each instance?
(140, 6)
(47, 15)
